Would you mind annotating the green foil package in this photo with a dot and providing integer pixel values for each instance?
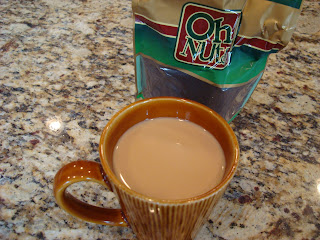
(213, 52)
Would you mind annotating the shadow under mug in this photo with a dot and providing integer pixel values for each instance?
(149, 218)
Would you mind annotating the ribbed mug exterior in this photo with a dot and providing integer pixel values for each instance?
(152, 220)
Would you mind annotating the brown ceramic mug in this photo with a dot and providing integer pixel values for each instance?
(149, 218)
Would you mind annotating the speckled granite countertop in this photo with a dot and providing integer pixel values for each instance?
(66, 67)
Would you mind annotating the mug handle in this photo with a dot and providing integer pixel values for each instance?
(79, 171)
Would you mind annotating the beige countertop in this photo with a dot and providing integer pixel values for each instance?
(67, 66)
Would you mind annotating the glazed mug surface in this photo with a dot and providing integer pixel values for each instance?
(148, 217)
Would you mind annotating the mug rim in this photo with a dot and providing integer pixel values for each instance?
(112, 177)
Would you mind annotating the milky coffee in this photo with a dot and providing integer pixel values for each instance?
(168, 158)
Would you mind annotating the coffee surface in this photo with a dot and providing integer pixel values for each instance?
(168, 158)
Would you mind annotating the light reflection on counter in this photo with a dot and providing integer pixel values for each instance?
(54, 125)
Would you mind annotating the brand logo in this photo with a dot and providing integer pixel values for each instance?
(206, 35)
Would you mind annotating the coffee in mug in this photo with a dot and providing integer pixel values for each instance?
(169, 158)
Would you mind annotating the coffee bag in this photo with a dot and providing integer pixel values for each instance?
(213, 52)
